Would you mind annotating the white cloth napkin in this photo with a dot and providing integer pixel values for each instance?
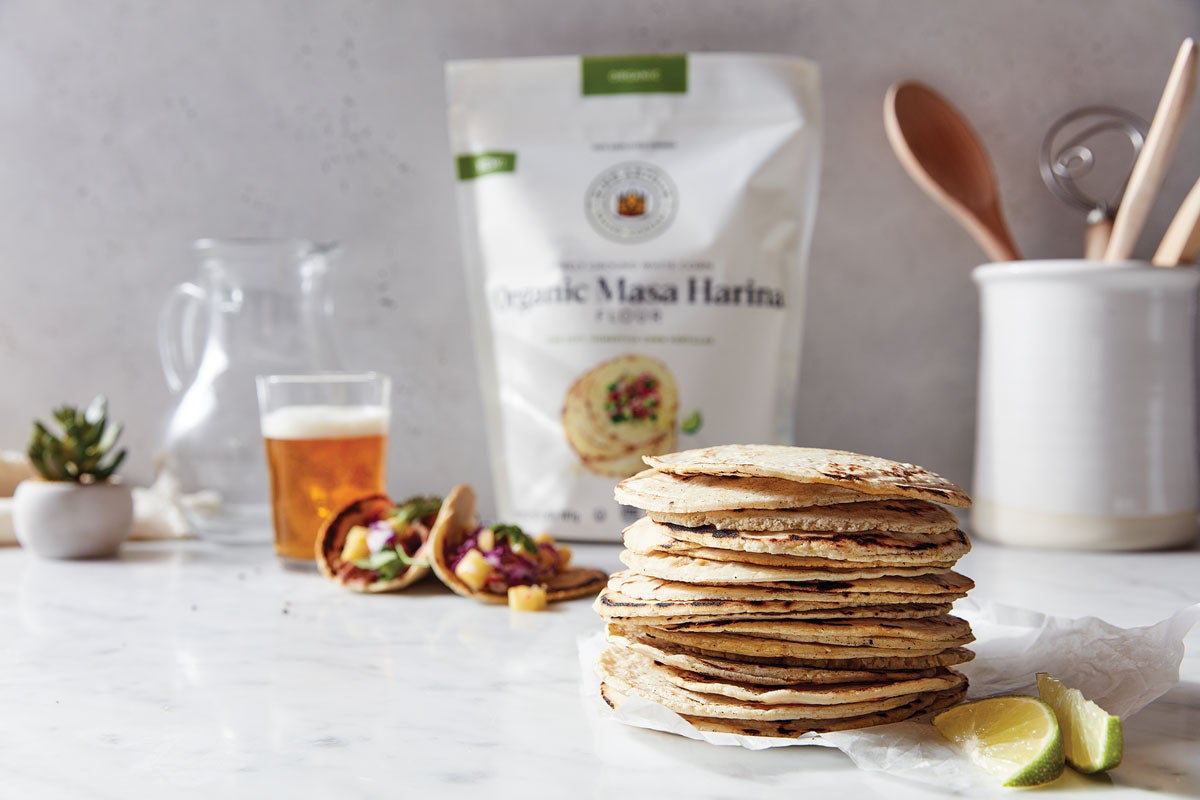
(157, 509)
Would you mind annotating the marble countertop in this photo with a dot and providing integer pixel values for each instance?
(191, 670)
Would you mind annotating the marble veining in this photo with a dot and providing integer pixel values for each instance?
(201, 671)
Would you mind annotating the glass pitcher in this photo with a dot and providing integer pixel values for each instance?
(260, 307)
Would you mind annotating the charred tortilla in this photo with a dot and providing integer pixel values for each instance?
(867, 474)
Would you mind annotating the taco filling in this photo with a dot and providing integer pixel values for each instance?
(498, 557)
(385, 547)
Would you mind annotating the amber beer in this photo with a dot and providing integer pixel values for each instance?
(320, 458)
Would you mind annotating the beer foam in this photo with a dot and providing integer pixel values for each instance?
(325, 422)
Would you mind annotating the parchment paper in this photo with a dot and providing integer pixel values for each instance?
(1122, 669)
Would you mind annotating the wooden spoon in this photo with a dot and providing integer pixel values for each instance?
(1181, 243)
(943, 154)
(1151, 165)
(1098, 234)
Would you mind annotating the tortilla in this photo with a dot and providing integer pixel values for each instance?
(798, 727)
(331, 539)
(611, 604)
(919, 634)
(867, 474)
(631, 673)
(813, 652)
(873, 612)
(901, 516)
(651, 490)
(816, 694)
(457, 521)
(703, 570)
(875, 546)
(762, 674)
(800, 548)
(934, 587)
(737, 648)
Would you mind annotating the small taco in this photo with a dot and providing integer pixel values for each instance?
(486, 562)
(374, 545)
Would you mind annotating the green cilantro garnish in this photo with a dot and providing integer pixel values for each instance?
(388, 563)
(413, 509)
(517, 538)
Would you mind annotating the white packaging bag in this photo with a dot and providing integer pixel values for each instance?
(635, 230)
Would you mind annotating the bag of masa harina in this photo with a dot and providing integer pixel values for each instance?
(635, 231)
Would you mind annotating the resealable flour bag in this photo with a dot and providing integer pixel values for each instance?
(635, 230)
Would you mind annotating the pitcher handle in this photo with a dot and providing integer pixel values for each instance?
(177, 334)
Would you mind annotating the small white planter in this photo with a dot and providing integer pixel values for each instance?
(60, 519)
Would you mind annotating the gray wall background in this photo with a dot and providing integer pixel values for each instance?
(129, 128)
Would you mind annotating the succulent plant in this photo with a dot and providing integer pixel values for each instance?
(78, 454)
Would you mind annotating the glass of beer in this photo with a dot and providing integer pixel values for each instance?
(326, 437)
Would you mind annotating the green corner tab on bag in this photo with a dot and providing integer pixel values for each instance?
(649, 74)
(476, 165)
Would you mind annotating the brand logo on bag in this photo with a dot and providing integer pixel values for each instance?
(631, 202)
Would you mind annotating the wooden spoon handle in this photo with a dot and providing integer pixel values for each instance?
(1181, 243)
(1099, 232)
(1151, 165)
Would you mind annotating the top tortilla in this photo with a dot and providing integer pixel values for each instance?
(651, 490)
(867, 474)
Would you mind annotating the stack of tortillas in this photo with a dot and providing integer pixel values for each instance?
(776, 590)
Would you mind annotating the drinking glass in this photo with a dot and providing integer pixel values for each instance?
(326, 441)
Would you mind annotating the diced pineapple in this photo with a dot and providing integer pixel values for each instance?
(486, 540)
(527, 598)
(355, 548)
(564, 556)
(473, 570)
(543, 538)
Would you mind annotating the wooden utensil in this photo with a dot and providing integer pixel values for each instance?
(1098, 234)
(1151, 165)
(943, 154)
(1180, 245)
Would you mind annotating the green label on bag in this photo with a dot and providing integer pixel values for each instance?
(635, 74)
(471, 166)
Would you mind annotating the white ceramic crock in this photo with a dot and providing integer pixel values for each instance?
(1087, 425)
(60, 519)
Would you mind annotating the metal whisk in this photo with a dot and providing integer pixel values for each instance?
(1066, 157)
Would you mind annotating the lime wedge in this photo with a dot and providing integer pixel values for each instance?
(1091, 736)
(1015, 737)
